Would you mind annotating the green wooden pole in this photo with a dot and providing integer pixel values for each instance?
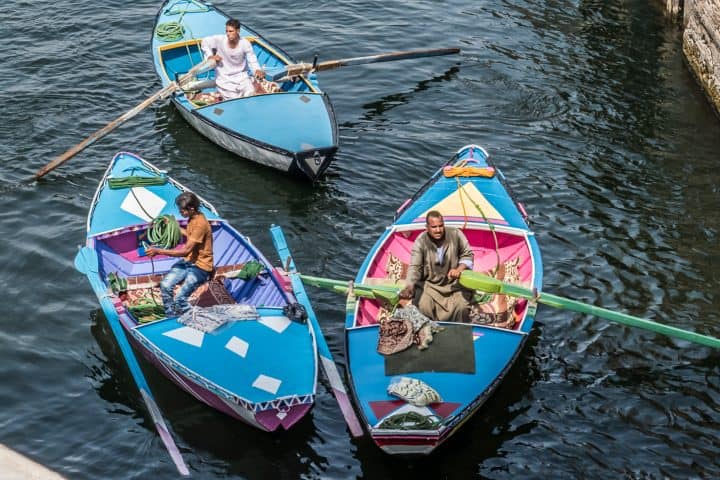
(478, 281)
(391, 294)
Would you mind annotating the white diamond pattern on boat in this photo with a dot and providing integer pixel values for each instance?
(150, 204)
(269, 384)
(279, 323)
(238, 346)
(187, 335)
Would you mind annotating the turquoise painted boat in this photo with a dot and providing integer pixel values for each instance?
(237, 364)
(293, 130)
(464, 363)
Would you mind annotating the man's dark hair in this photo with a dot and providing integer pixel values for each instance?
(432, 214)
(188, 200)
(234, 23)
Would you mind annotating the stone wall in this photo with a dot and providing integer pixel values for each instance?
(701, 43)
(674, 7)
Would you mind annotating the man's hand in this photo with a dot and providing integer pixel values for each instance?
(407, 293)
(260, 74)
(151, 251)
(455, 272)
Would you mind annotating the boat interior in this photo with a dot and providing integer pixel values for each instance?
(500, 254)
(178, 58)
(122, 255)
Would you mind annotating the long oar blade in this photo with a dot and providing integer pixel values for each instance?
(86, 262)
(164, 93)
(478, 281)
(326, 358)
(301, 68)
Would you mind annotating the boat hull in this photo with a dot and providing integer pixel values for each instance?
(292, 130)
(310, 164)
(233, 364)
(471, 195)
(267, 420)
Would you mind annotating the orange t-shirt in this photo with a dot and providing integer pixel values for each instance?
(198, 231)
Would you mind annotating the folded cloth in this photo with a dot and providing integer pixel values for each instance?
(414, 391)
(405, 327)
(207, 319)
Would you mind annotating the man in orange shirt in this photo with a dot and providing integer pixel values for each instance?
(197, 252)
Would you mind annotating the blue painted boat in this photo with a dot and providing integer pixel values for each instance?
(293, 130)
(239, 366)
(464, 363)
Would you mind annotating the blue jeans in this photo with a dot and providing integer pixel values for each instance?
(191, 276)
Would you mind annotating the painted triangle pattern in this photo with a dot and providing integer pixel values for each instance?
(385, 407)
(452, 205)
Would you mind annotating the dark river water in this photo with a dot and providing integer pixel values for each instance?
(587, 107)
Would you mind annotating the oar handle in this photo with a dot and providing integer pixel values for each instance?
(326, 358)
(71, 152)
(478, 281)
(86, 261)
(301, 68)
(384, 292)
(385, 57)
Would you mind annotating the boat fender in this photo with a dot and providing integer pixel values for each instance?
(295, 312)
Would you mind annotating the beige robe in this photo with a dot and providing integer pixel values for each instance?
(436, 296)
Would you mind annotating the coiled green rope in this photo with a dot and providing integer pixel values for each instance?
(409, 421)
(129, 182)
(164, 231)
(173, 31)
(170, 31)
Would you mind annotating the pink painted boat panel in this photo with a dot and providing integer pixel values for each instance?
(486, 247)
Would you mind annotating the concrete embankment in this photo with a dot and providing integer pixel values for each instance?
(14, 466)
(701, 41)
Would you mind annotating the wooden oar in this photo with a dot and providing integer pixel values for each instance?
(478, 281)
(326, 358)
(301, 68)
(86, 262)
(164, 93)
(385, 292)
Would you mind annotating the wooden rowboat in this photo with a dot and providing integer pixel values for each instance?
(293, 130)
(238, 366)
(464, 363)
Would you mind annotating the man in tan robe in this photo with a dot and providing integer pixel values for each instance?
(439, 256)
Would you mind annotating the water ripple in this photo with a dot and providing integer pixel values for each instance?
(585, 106)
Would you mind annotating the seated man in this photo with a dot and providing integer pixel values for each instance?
(232, 54)
(196, 266)
(438, 258)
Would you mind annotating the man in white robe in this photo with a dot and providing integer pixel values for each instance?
(233, 57)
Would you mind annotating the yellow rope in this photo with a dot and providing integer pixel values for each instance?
(490, 225)
(462, 202)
